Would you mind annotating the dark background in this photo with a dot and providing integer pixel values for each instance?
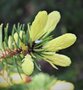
(24, 11)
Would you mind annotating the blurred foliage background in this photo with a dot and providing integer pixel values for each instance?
(24, 11)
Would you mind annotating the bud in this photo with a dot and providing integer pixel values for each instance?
(17, 38)
(10, 42)
(28, 65)
(37, 27)
(15, 79)
(61, 42)
(20, 79)
(57, 59)
(53, 19)
(62, 85)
